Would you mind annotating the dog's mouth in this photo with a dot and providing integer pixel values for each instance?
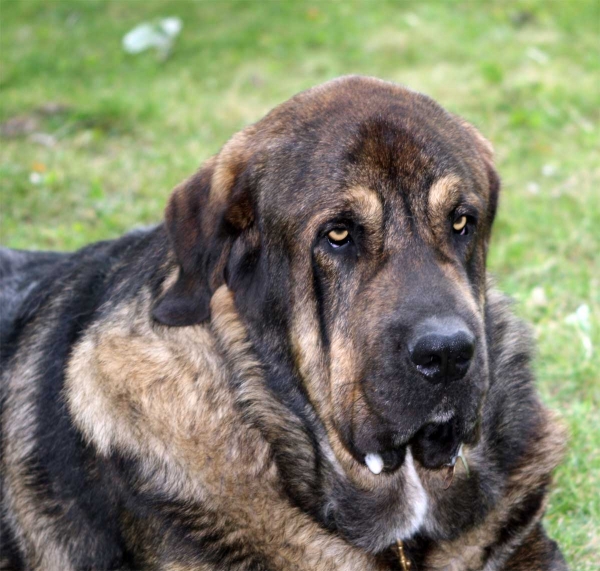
(434, 446)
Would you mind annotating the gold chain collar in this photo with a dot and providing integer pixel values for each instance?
(402, 557)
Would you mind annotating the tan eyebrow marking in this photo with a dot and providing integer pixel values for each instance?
(367, 204)
(362, 201)
(443, 192)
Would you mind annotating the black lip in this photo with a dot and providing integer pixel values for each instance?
(435, 444)
(393, 458)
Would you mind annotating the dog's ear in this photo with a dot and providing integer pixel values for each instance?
(204, 217)
(486, 151)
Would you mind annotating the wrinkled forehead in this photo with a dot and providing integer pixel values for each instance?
(357, 167)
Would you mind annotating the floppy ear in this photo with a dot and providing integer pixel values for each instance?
(204, 216)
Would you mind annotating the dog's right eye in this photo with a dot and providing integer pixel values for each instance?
(338, 237)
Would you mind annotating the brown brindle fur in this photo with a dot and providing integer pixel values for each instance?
(203, 395)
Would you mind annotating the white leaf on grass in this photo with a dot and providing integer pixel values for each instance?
(36, 178)
(159, 35)
(538, 297)
(171, 26)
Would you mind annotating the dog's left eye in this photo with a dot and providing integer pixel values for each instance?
(338, 237)
(462, 225)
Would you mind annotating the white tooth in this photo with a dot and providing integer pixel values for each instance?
(374, 462)
(464, 460)
(456, 457)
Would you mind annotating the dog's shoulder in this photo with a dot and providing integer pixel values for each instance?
(55, 300)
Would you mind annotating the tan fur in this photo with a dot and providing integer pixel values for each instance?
(367, 205)
(444, 192)
(160, 394)
(235, 153)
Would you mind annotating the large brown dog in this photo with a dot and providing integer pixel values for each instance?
(301, 369)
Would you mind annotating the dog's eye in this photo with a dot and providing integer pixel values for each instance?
(461, 225)
(338, 237)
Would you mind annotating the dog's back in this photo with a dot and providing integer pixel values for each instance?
(28, 277)
(20, 273)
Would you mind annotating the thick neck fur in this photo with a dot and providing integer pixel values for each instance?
(189, 390)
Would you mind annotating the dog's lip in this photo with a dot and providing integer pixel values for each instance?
(388, 456)
(385, 460)
(436, 445)
(385, 451)
(391, 460)
(394, 459)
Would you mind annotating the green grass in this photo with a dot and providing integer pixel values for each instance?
(131, 127)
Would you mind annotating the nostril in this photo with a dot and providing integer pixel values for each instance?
(465, 356)
(462, 345)
(442, 355)
(429, 358)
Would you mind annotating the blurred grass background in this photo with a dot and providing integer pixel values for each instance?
(93, 139)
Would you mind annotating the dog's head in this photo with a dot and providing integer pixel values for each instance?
(351, 225)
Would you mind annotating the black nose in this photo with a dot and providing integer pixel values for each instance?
(442, 350)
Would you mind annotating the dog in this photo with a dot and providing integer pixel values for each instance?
(304, 367)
